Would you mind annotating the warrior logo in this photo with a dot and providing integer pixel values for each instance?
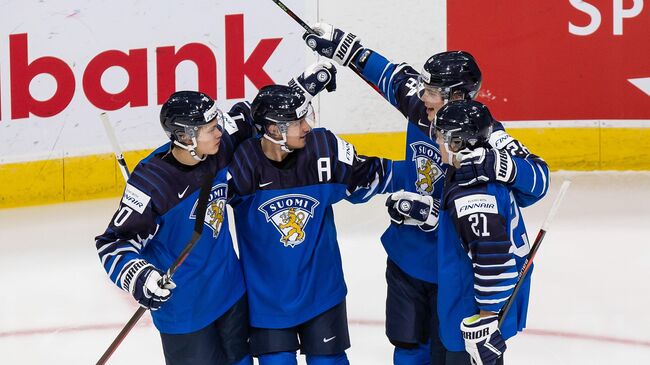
(215, 213)
(427, 163)
(290, 214)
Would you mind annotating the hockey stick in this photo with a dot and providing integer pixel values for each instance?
(308, 29)
(538, 241)
(116, 147)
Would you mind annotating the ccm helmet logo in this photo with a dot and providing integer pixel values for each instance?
(211, 113)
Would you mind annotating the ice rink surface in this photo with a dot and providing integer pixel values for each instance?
(589, 296)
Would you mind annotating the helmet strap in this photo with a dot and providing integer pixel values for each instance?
(282, 143)
(191, 149)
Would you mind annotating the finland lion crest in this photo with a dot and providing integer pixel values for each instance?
(290, 214)
(215, 213)
(427, 163)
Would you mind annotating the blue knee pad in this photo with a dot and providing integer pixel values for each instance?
(417, 356)
(278, 358)
(338, 359)
(246, 360)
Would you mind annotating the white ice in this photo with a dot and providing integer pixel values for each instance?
(589, 296)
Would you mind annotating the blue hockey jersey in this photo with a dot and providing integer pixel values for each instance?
(155, 220)
(482, 247)
(285, 224)
(413, 250)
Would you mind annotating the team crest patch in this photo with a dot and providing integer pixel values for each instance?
(427, 163)
(290, 214)
(216, 211)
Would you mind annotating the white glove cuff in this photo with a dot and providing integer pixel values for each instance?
(343, 53)
(500, 139)
(130, 276)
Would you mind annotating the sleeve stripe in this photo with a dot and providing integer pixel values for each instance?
(110, 271)
(491, 301)
(389, 179)
(123, 249)
(506, 275)
(494, 288)
(104, 247)
(534, 175)
(544, 181)
(510, 262)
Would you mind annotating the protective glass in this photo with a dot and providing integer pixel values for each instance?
(209, 128)
(424, 89)
(309, 118)
(453, 143)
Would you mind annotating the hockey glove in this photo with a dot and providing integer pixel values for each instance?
(483, 341)
(333, 43)
(147, 285)
(318, 76)
(481, 166)
(413, 209)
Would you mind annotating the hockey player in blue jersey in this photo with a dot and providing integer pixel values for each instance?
(205, 322)
(482, 245)
(284, 186)
(412, 275)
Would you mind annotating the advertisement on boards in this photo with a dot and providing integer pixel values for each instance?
(62, 63)
(558, 60)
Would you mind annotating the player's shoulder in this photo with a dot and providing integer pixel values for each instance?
(337, 147)
(246, 158)
(246, 148)
(238, 120)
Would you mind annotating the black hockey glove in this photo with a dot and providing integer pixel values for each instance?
(483, 340)
(481, 166)
(146, 284)
(333, 43)
(318, 76)
(413, 209)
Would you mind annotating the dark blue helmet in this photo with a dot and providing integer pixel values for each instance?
(451, 72)
(185, 111)
(183, 114)
(463, 124)
(278, 104)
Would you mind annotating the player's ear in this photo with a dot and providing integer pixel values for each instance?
(184, 138)
(272, 130)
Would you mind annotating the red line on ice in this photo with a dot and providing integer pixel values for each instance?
(353, 322)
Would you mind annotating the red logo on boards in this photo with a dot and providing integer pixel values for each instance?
(23, 70)
(555, 60)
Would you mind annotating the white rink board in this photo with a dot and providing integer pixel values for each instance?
(77, 31)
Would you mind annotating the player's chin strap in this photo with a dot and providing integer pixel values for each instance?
(282, 143)
(191, 149)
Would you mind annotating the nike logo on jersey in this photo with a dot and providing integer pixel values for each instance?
(181, 195)
(326, 340)
(265, 184)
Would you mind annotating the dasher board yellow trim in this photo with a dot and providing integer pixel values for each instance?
(98, 176)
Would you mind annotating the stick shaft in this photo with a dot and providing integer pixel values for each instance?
(531, 255)
(116, 146)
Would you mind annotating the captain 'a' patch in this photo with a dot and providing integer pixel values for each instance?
(290, 214)
(215, 213)
(427, 162)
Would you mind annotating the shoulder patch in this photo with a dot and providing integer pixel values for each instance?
(229, 124)
(135, 198)
(345, 151)
(476, 203)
